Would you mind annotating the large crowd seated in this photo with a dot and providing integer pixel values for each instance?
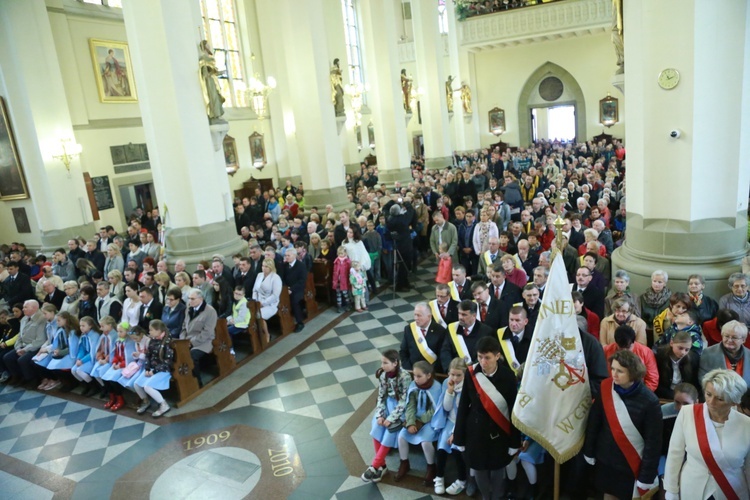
(108, 312)
(471, 8)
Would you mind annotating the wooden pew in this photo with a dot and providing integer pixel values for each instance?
(222, 345)
(253, 329)
(285, 312)
(323, 280)
(182, 370)
(310, 302)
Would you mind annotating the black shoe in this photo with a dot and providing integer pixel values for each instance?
(88, 390)
(299, 328)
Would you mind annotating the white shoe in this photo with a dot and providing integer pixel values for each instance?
(439, 486)
(163, 408)
(456, 488)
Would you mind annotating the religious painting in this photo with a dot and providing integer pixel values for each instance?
(257, 150)
(230, 154)
(608, 111)
(371, 135)
(22, 220)
(12, 181)
(113, 71)
(359, 137)
(497, 121)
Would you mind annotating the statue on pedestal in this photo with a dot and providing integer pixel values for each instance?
(212, 97)
(466, 98)
(337, 88)
(617, 35)
(406, 83)
(449, 93)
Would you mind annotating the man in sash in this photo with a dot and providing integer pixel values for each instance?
(463, 335)
(423, 340)
(444, 309)
(515, 340)
(483, 424)
(460, 287)
(507, 293)
(489, 307)
(488, 258)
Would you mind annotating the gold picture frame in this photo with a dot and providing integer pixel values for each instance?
(113, 71)
(230, 154)
(609, 111)
(497, 121)
(257, 150)
(12, 180)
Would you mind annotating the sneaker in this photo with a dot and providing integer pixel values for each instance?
(52, 385)
(145, 404)
(163, 408)
(231, 351)
(439, 483)
(455, 488)
(378, 476)
(373, 475)
(4, 378)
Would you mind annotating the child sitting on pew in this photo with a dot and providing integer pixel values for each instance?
(157, 369)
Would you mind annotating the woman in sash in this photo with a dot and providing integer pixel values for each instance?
(713, 442)
(623, 436)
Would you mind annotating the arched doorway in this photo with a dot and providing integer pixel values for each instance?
(550, 86)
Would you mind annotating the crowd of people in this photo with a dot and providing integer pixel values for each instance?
(105, 308)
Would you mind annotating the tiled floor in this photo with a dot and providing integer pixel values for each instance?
(293, 412)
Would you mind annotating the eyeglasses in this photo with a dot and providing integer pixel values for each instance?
(732, 338)
(439, 296)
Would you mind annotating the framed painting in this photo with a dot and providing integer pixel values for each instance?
(230, 154)
(497, 121)
(12, 181)
(113, 71)
(21, 220)
(257, 150)
(371, 135)
(608, 111)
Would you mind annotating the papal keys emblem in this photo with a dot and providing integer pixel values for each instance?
(558, 355)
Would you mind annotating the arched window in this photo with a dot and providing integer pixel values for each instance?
(351, 34)
(442, 17)
(221, 31)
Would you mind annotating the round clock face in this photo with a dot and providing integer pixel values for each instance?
(551, 88)
(669, 78)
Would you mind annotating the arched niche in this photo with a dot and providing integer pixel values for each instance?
(571, 95)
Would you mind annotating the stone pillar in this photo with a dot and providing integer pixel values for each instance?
(188, 170)
(686, 196)
(465, 127)
(431, 76)
(378, 29)
(40, 117)
(307, 69)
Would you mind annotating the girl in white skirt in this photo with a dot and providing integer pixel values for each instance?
(157, 370)
(422, 398)
(445, 420)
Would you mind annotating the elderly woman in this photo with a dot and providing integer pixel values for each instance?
(710, 446)
(739, 298)
(116, 286)
(313, 248)
(591, 235)
(621, 289)
(512, 273)
(625, 415)
(182, 281)
(655, 299)
(173, 314)
(72, 297)
(622, 315)
(705, 306)
(731, 353)
(485, 230)
(267, 291)
(114, 260)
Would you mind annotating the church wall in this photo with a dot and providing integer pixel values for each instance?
(502, 73)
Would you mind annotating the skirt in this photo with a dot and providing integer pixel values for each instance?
(98, 370)
(534, 453)
(45, 361)
(426, 433)
(613, 481)
(128, 383)
(380, 433)
(65, 363)
(444, 435)
(159, 381)
(84, 368)
(112, 374)
(268, 312)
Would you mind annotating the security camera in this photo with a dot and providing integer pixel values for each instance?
(675, 134)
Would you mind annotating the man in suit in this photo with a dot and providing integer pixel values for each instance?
(460, 287)
(464, 334)
(339, 232)
(593, 298)
(506, 293)
(489, 257)
(17, 286)
(527, 259)
(731, 353)
(443, 232)
(94, 255)
(295, 278)
(423, 336)
(150, 309)
(107, 304)
(444, 309)
(489, 307)
(249, 269)
(217, 267)
(52, 294)
(541, 274)
(516, 235)
(32, 335)
(531, 304)
(516, 339)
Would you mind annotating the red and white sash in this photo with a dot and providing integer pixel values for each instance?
(626, 435)
(713, 455)
(492, 401)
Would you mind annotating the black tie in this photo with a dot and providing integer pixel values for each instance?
(101, 303)
(143, 310)
(514, 340)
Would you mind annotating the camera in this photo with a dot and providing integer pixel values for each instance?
(675, 133)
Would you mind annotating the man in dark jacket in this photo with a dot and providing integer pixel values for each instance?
(422, 331)
(295, 278)
(17, 286)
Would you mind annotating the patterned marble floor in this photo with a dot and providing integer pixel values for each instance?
(290, 415)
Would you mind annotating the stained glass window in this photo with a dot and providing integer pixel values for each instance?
(353, 49)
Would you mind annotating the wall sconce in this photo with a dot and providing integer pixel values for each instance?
(355, 92)
(69, 150)
(257, 94)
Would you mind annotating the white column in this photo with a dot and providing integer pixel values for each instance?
(465, 127)
(431, 76)
(378, 27)
(189, 174)
(686, 196)
(40, 117)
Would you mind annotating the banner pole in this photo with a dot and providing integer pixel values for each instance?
(556, 492)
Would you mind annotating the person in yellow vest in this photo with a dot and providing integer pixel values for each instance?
(423, 339)
(515, 340)
(463, 335)
(444, 309)
(488, 258)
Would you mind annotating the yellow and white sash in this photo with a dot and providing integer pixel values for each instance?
(459, 343)
(487, 259)
(421, 342)
(454, 291)
(517, 260)
(508, 351)
(435, 308)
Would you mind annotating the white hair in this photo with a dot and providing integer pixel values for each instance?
(728, 385)
(660, 272)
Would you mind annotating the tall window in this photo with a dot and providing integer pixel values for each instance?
(107, 3)
(222, 32)
(442, 17)
(353, 51)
